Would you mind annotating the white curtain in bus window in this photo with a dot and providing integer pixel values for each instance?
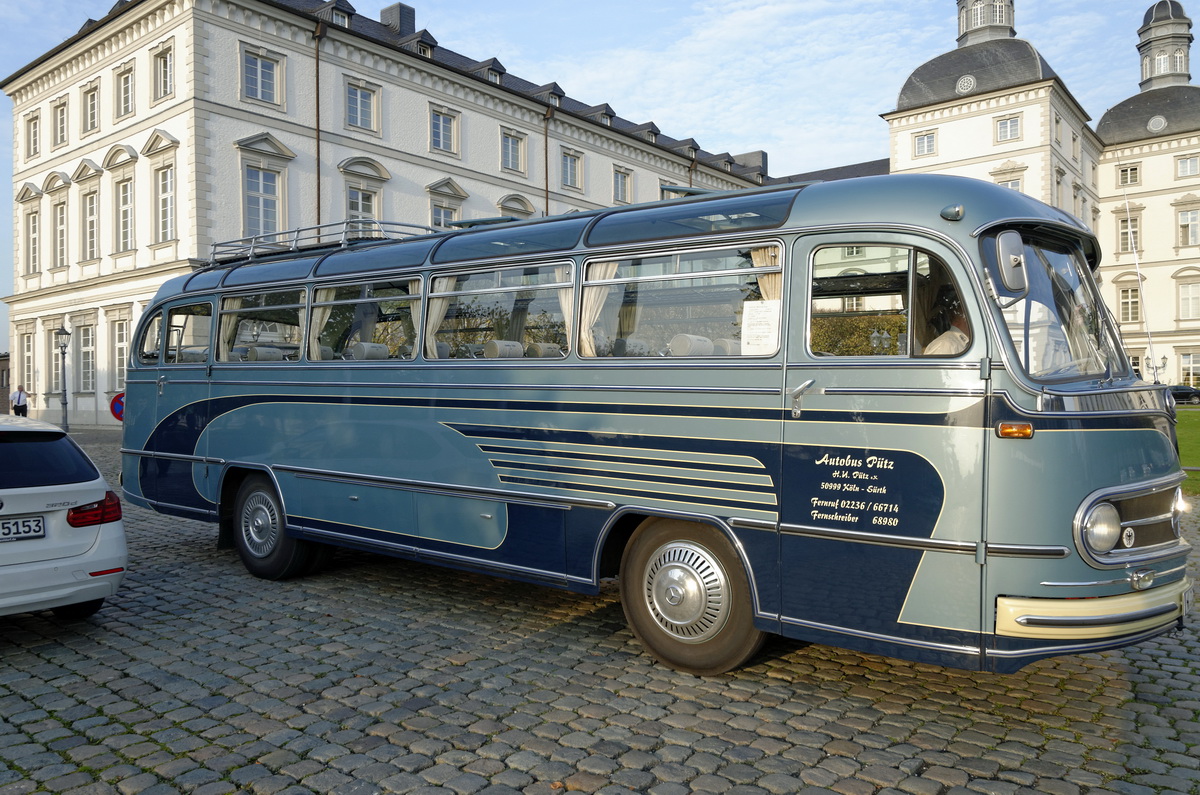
(188, 331)
(881, 301)
(503, 313)
(719, 302)
(262, 327)
(365, 321)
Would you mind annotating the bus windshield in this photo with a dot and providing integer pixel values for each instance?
(1058, 328)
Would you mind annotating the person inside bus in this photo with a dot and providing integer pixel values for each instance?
(950, 316)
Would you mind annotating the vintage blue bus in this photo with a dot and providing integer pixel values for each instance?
(889, 414)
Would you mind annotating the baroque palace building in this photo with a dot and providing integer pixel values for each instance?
(173, 124)
(170, 125)
(994, 109)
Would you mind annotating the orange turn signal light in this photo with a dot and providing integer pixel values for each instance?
(1015, 430)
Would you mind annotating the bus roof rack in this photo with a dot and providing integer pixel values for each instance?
(339, 233)
(687, 190)
(471, 223)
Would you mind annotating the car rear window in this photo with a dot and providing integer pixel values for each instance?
(34, 458)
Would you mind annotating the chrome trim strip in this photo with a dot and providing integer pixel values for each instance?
(421, 552)
(188, 508)
(878, 636)
(906, 392)
(1026, 551)
(1118, 581)
(359, 385)
(501, 495)
(1097, 621)
(195, 459)
(1162, 517)
(880, 539)
(1078, 648)
(752, 524)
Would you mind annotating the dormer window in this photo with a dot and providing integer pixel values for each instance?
(424, 50)
(606, 121)
(341, 18)
(493, 76)
(554, 100)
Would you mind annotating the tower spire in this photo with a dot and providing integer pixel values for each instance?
(985, 20)
(1164, 44)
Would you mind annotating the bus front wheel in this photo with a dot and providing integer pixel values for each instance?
(264, 546)
(686, 597)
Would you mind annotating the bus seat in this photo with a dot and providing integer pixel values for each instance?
(263, 353)
(503, 349)
(369, 350)
(443, 350)
(327, 353)
(471, 350)
(543, 350)
(691, 345)
(193, 355)
(631, 346)
(727, 347)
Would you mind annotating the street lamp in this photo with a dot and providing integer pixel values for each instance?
(63, 338)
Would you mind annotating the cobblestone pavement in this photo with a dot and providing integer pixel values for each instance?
(385, 676)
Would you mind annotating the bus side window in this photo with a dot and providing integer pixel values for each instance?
(261, 327)
(939, 316)
(723, 302)
(860, 301)
(507, 313)
(189, 330)
(884, 301)
(365, 321)
(150, 342)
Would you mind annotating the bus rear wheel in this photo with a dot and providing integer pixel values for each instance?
(260, 535)
(686, 597)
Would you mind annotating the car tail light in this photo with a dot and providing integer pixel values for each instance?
(107, 510)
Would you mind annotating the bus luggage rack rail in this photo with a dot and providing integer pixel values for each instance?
(340, 233)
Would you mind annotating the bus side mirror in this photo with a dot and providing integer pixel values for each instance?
(1010, 254)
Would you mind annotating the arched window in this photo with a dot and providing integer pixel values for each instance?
(962, 21)
(1146, 73)
(1000, 12)
(1160, 63)
(978, 14)
(1180, 61)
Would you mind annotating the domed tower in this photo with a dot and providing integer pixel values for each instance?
(989, 57)
(1168, 103)
(1164, 44)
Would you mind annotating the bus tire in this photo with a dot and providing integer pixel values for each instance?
(686, 597)
(259, 533)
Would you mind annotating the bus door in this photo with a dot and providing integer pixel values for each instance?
(883, 447)
(177, 339)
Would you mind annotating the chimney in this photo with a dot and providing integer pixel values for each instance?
(400, 18)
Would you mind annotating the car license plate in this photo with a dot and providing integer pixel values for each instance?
(22, 529)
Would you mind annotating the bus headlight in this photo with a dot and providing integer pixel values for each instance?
(1102, 527)
(1178, 508)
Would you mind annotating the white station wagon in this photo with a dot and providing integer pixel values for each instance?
(62, 541)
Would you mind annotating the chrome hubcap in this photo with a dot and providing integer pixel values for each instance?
(260, 524)
(687, 591)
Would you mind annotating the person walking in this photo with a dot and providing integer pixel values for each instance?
(20, 402)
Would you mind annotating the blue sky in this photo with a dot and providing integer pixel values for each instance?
(805, 80)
